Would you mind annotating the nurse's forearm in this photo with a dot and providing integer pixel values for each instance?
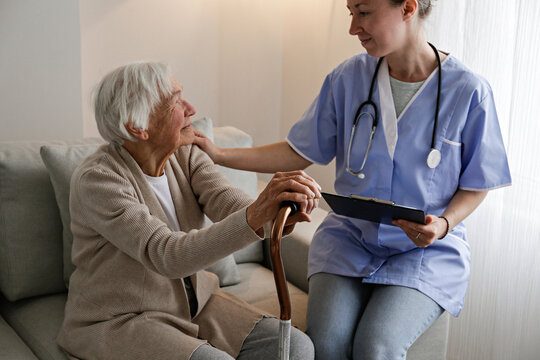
(265, 159)
(462, 205)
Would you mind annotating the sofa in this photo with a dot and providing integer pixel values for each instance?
(35, 243)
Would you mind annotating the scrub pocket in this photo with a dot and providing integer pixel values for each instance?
(445, 180)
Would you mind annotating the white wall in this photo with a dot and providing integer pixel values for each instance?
(315, 40)
(40, 82)
(182, 33)
(250, 67)
(218, 52)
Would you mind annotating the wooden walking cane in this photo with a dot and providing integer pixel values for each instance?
(287, 208)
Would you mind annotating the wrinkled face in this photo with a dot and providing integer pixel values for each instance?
(170, 125)
(378, 24)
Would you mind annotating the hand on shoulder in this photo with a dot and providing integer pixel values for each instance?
(206, 145)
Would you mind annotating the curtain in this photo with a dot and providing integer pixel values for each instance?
(501, 41)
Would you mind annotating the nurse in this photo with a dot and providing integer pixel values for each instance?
(373, 288)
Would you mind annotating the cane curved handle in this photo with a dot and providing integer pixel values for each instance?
(276, 261)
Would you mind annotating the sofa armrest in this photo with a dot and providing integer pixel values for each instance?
(11, 345)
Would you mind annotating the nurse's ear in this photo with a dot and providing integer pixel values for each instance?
(408, 9)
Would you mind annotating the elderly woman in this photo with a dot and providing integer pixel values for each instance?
(137, 206)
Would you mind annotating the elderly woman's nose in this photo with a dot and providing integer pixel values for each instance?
(190, 109)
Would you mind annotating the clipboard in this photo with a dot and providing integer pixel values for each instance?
(372, 209)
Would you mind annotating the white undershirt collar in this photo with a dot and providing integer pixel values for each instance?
(160, 185)
(388, 111)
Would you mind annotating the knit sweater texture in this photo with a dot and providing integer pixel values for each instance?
(126, 297)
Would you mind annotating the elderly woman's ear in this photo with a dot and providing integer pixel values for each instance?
(137, 133)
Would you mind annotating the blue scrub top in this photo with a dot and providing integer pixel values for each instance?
(473, 158)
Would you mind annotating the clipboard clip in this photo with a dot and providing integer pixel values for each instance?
(387, 202)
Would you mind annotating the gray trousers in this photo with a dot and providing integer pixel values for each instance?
(262, 344)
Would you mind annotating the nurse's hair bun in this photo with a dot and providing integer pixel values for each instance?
(424, 7)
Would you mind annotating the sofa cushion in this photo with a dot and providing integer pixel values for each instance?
(61, 161)
(37, 321)
(432, 344)
(257, 288)
(205, 125)
(11, 345)
(225, 268)
(227, 137)
(30, 226)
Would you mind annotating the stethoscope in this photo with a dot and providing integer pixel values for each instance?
(434, 157)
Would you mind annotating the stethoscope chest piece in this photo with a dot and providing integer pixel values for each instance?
(433, 158)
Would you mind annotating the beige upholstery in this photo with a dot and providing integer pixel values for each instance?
(257, 288)
(11, 345)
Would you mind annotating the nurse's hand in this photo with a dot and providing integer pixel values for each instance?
(423, 235)
(207, 145)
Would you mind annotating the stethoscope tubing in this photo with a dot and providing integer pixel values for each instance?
(439, 82)
(375, 119)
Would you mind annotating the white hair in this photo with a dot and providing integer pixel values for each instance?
(130, 93)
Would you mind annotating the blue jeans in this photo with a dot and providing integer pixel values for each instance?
(348, 319)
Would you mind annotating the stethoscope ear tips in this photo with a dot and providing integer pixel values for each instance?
(361, 176)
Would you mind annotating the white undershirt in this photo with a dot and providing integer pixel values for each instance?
(160, 185)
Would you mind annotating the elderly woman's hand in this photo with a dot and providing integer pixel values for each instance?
(294, 186)
(423, 235)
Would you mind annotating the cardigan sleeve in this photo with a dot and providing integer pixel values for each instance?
(216, 195)
(108, 205)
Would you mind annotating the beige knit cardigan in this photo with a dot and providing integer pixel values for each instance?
(126, 297)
